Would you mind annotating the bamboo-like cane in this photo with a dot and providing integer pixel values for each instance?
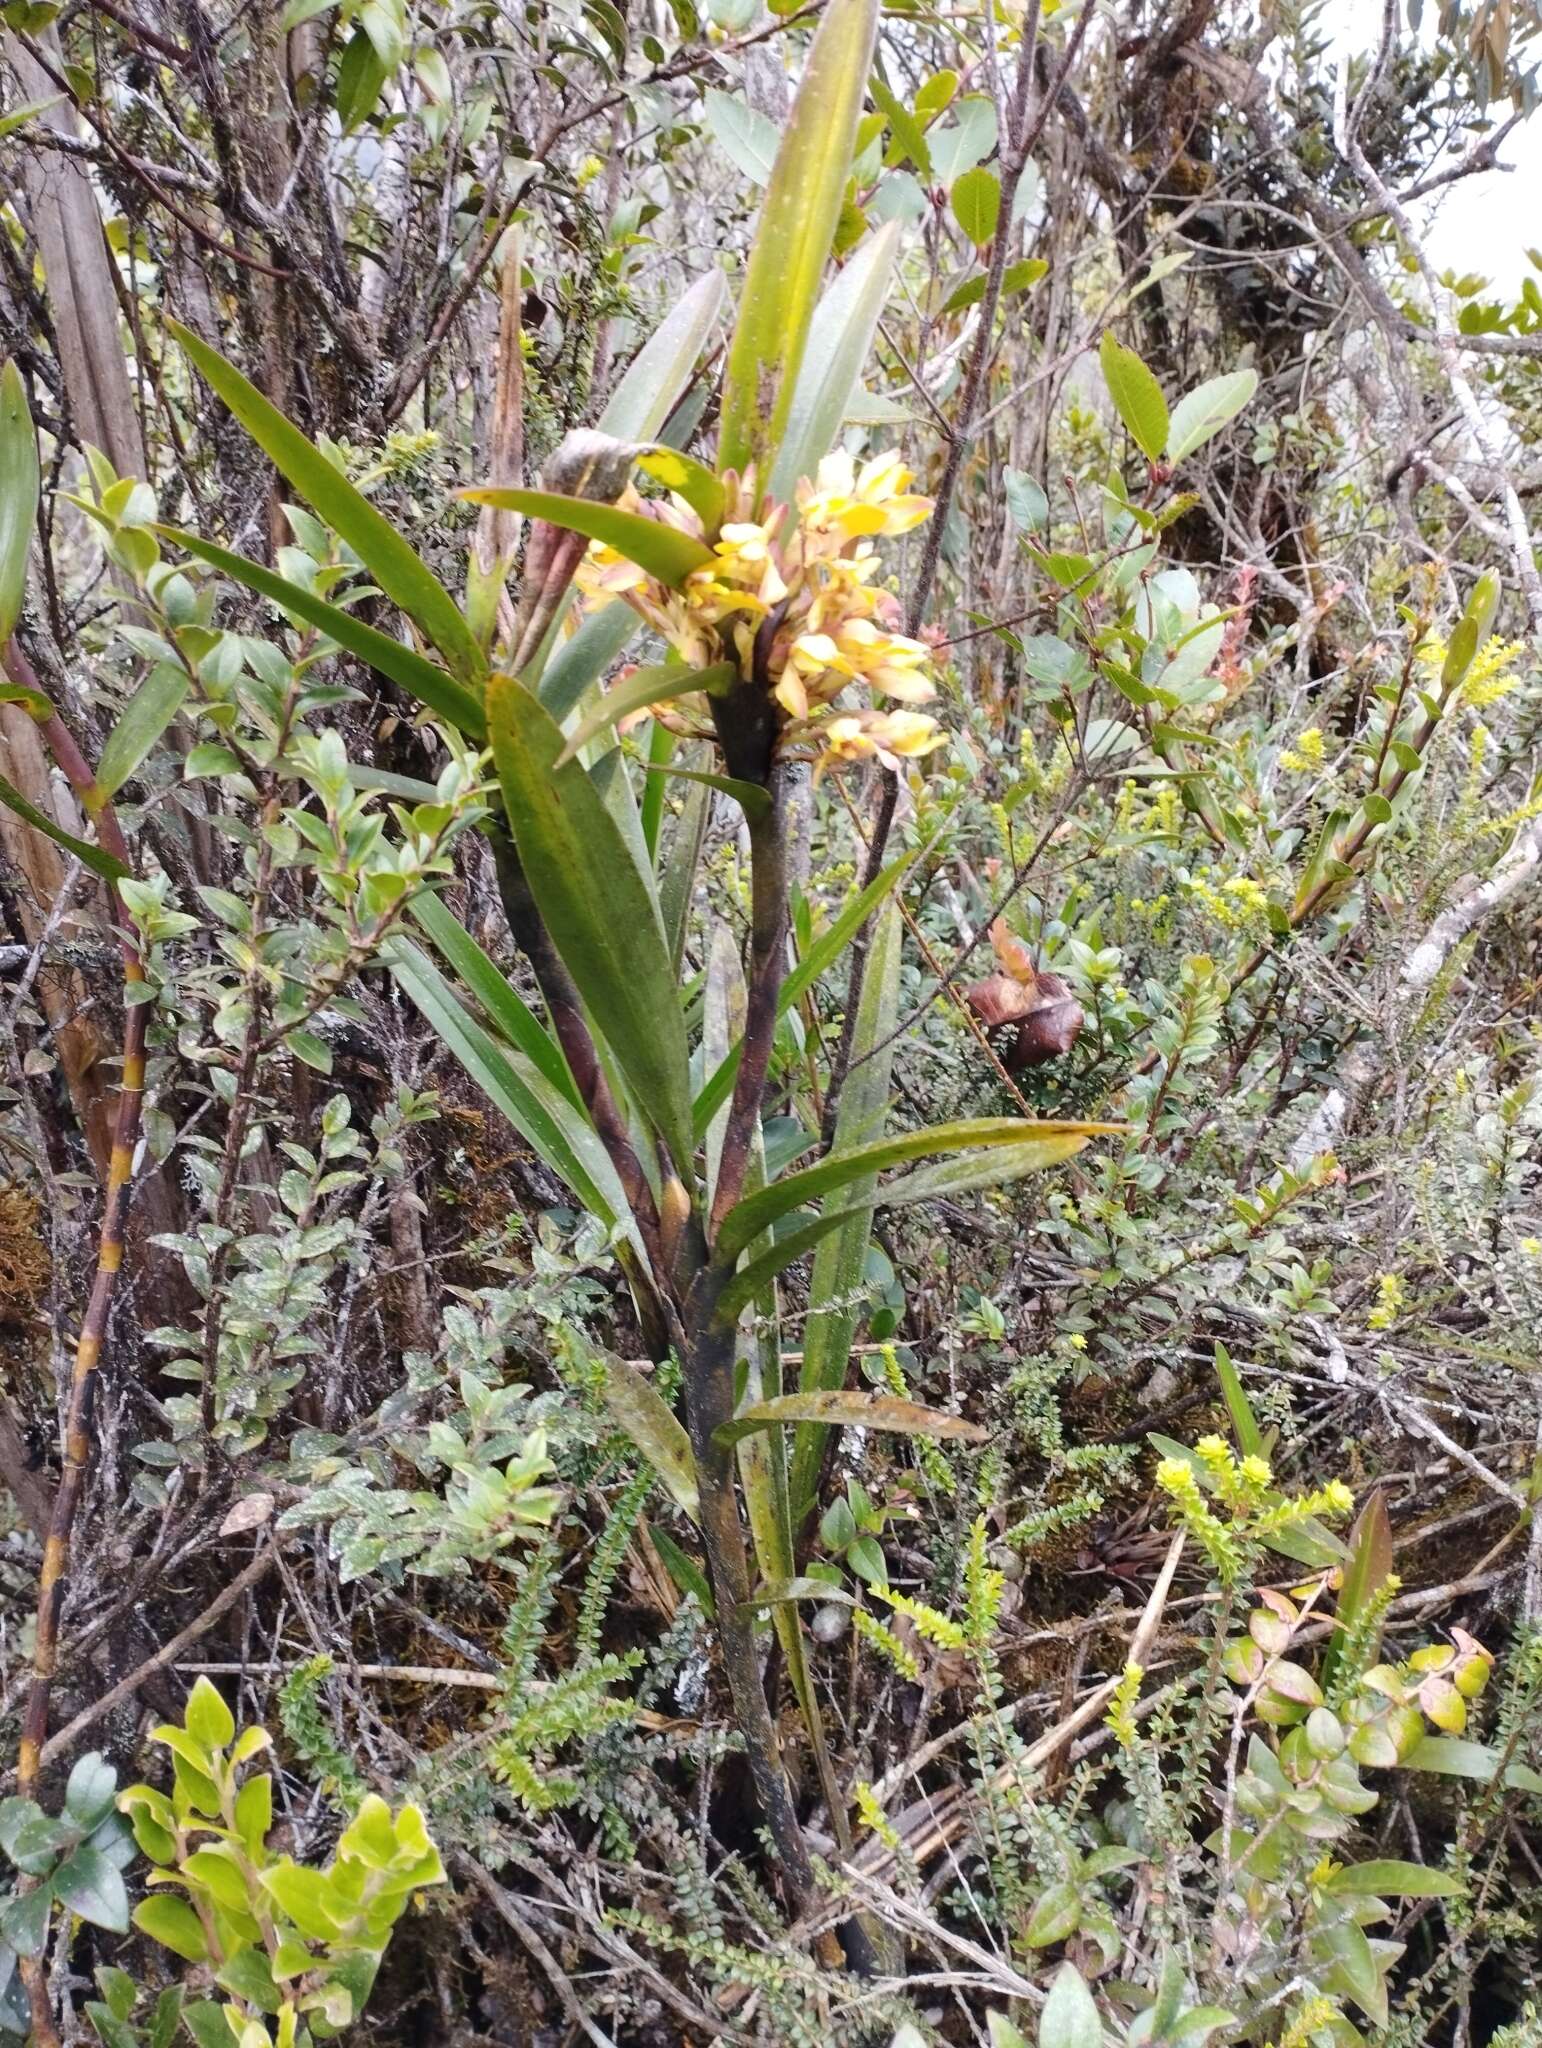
(76, 1431)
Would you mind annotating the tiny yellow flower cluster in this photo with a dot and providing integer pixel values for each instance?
(1238, 902)
(1492, 674)
(797, 603)
(1238, 1483)
(1306, 754)
(1163, 812)
(1389, 1302)
(873, 1816)
(1120, 1718)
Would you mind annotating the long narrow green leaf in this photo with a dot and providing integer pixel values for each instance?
(597, 906)
(1389, 1878)
(1250, 1437)
(648, 393)
(836, 1281)
(401, 573)
(1450, 1756)
(411, 787)
(18, 117)
(723, 1009)
(546, 1120)
(677, 875)
(1368, 1569)
(663, 551)
(992, 1168)
(417, 675)
(749, 796)
(650, 808)
(19, 479)
(648, 686)
(502, 1003)
(775, 1593)
(92, 857)
(683, 1569)
(841, 1407)
(821, 956)
(593, 648)
(144, 718)
(840, 336)
(793, 239)
(640, 1412)
(755, 1213)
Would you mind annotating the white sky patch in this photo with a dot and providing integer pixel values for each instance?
(1485, 222)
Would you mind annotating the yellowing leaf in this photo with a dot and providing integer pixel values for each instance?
(794, 237)
(18, 495)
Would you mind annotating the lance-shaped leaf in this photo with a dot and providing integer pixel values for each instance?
(19, 477)
(601, 914)
(994, 1167)
(835, 1285)
(648, 686)
(840, 337)
(502, 1003)
(1368, 1569)
(664, 552)
(1450, 1756)
(749, 796)
(840, 1407)
(677, 871)
(793, 240)
(683, 1569)
(1137, 396)
(1471, 630)
(1206, 409)
(400, 571)
(836, 1173)
(144, 718)
(590, 651)
(33, 702)
(421, 678)
(544, 1118)
(1249, 1436)
(1388, 1878)
(637, 1408)
(648, 393)
(95, 858)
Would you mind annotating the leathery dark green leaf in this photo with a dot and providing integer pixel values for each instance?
(602, 916)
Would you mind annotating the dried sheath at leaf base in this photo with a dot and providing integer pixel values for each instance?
(1040, 1004)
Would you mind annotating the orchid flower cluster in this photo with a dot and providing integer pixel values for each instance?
(795, 602)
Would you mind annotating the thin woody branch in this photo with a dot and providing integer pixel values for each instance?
(75, 1434)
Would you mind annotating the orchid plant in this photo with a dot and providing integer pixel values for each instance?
(766, 580)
